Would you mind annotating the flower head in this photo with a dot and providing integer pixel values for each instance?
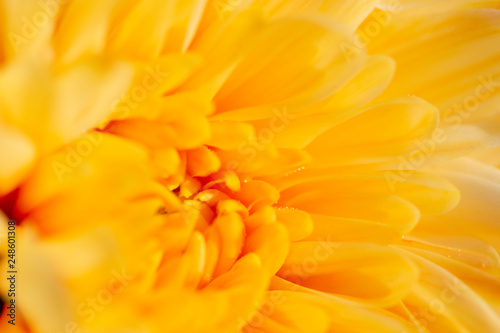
(250, 166)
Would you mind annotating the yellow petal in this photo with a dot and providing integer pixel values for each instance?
(417, 7)
(432, 195)
(349, 14)
(478, 203)
(297, 222)
(28, 28)
(34, 302)
(441, 302)
(141, 32)
(262, 81)
(476, 277)
(331, 212)
(370, 273)
(231, 234)
(282, 312)
(243, 286)
(461, 82)
(345, 315)
(349, 143)
(201, 162)
(265, 215)
(19, 153)
(230, 135)
(270, 242)
(183, 132)
(255, 194)
(71, 41)
(48, 196)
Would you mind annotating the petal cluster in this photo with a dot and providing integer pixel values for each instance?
(251, 165)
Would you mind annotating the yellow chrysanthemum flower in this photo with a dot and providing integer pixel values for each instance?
(250, 166)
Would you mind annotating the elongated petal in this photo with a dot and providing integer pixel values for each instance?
(370, 273)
